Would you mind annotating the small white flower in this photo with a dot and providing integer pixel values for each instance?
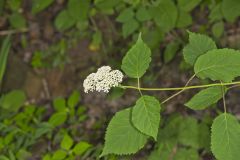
(103, 80)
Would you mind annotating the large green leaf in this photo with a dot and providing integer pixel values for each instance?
(225, 138)
(205, 98)
(230, 9)
(121, 137)
(146, 115)
(188, 5)
(198, 44)
(3, 56)
(137, 59)
(218, 64)
(165, 15)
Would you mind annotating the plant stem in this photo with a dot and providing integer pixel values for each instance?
(179, 92)
(224, 101)
(139, 86)
(181, 88)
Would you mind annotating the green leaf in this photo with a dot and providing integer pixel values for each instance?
(205, 98)
(230, 9)
(121, 137)
(188, 5)
(225, 138)
(146, 115)
(165, 15)
(38, 6)
(3, 56)
(198, 44)
(15, 5)
(216, 13)
(59, 155)
(58, 118)
(81, 148)
(78, 10)
(188, 132)
(143, 14)
(129, 27)
(136, 61)
(13, 100)
(218, 29)
(184, 19)
(67, 142)
(64, 21)
(218, 64)
(73, 99)
(107, 4)
(59, 104)
(125, 15)
(17, 20)
(170, 51)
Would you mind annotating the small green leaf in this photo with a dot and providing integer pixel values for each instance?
(125, 15)
(78, 9)
(59, 155)
(121, 137)
(74, 99)
(230, 9)
(67, 142)
(129, 27)
(14, 4)
(188, 132)
(17, 20)
(81, 148)
(59, 104)
(216, 13)
(184, 19)
(205, 98)
(58, 118)
(137, 59)
(13, 100)
(165, 15)
(170, 51)
(146, 115)
(218, 64)
(4, 56)
(188, 5)
(225, 138)
(143, 14)
(47, 157)
(64, 21)
(218, 29)
(39, 5)
(198, 45)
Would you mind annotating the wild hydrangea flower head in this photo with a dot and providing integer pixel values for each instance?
(103, 80)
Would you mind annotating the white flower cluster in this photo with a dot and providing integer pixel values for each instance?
(103, 80)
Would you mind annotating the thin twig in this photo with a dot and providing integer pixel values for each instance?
(14, 31)
(174, 95)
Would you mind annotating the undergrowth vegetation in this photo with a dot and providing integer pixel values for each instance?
(170, 93)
